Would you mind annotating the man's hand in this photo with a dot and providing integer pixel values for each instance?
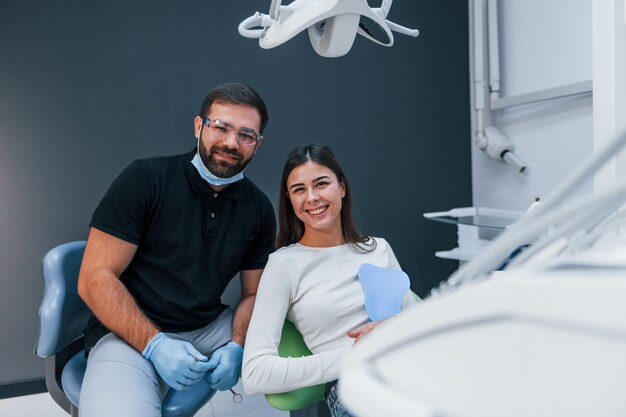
(361, 331)
(178, 363)
(225, 366)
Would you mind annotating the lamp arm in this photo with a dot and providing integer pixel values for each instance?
(256, 20)
(401, 29)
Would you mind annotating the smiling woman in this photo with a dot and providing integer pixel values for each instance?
(314, 281)
(312, 171)
(316, 196)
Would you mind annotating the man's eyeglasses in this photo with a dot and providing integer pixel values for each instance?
(221, 130)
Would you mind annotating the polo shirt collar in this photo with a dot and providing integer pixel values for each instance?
(200, 186)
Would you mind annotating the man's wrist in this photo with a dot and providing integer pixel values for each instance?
(235, 344)
(147, 352)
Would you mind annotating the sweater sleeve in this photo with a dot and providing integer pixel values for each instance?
(264, 372)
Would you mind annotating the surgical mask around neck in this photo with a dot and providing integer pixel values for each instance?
(208, 176)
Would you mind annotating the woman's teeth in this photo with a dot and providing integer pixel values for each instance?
(318, 210)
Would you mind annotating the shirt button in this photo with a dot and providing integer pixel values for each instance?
(212, 215)
(215, 195)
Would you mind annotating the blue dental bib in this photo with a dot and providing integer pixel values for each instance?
(384, 290)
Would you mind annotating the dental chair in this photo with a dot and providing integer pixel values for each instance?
(63, 316)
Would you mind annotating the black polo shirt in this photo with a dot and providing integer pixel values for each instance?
(191, 240)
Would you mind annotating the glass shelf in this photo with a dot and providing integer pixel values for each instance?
(476, 227)
(478, 220)
(476, 216)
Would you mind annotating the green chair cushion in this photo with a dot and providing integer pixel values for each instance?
(292, 345)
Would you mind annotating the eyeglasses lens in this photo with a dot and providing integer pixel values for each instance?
(220, 130)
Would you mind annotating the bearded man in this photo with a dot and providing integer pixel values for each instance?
(164, 242)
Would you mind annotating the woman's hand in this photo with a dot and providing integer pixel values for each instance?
(361, 331)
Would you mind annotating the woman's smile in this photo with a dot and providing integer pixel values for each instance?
(316, 195)
(317, 211)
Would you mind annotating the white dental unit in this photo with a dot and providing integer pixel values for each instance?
(544, 342)
(545, 337)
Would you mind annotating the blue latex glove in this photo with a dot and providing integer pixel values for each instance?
(225, 366)
(178, 363)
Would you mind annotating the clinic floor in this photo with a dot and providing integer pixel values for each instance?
(42, 405)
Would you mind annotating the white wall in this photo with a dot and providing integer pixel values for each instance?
(543, 44)
(609, 72)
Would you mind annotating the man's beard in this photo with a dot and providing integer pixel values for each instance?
(223, 169)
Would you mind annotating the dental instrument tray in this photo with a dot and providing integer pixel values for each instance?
(476, 227)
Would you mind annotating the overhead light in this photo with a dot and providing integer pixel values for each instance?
(332, 24)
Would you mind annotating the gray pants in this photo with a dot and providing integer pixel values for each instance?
(120, 382)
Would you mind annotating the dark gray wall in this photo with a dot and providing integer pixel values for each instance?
(87, 86)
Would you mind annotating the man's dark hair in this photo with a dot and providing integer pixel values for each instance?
(235, 93)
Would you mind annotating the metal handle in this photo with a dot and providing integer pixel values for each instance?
(256, 20)
(237, 398)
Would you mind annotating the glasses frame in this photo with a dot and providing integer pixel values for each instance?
(206, 121)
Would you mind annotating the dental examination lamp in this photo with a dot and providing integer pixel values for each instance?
(332, 24)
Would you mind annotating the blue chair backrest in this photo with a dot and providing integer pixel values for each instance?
(63, 316)
(62, 313)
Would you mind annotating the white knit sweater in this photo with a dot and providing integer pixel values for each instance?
(318, 290)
